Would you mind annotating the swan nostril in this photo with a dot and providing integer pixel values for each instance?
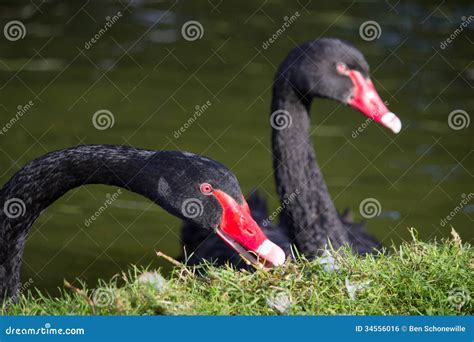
(248, 231)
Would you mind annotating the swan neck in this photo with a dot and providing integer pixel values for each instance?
(307, 206)
(42, 181)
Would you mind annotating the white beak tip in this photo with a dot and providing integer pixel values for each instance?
(390, 120)
(272, 253)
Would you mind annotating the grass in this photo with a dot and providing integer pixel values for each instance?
(415, 278)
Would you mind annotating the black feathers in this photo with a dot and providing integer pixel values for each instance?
(171, 179)
(308, 217)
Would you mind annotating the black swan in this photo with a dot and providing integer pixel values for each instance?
(324, 68)
(189, 186)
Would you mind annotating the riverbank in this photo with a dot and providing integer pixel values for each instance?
(415, 278)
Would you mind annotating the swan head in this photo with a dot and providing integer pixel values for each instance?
(207, 194)
(331, 68)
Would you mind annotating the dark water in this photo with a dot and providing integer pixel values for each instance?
(152, 80)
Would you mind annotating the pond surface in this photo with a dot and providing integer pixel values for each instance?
(152, 80)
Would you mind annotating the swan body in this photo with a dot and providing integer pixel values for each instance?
(324, 68)
(191, 187)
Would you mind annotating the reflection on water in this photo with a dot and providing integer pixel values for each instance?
(151, 79)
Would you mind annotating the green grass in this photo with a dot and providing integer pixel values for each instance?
(416, 278)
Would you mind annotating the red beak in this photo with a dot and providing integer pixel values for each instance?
(366, 100)
(239, 230)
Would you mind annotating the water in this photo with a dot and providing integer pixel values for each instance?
(151, 80)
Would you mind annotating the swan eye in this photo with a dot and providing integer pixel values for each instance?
(342, 68)
(206, 188)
